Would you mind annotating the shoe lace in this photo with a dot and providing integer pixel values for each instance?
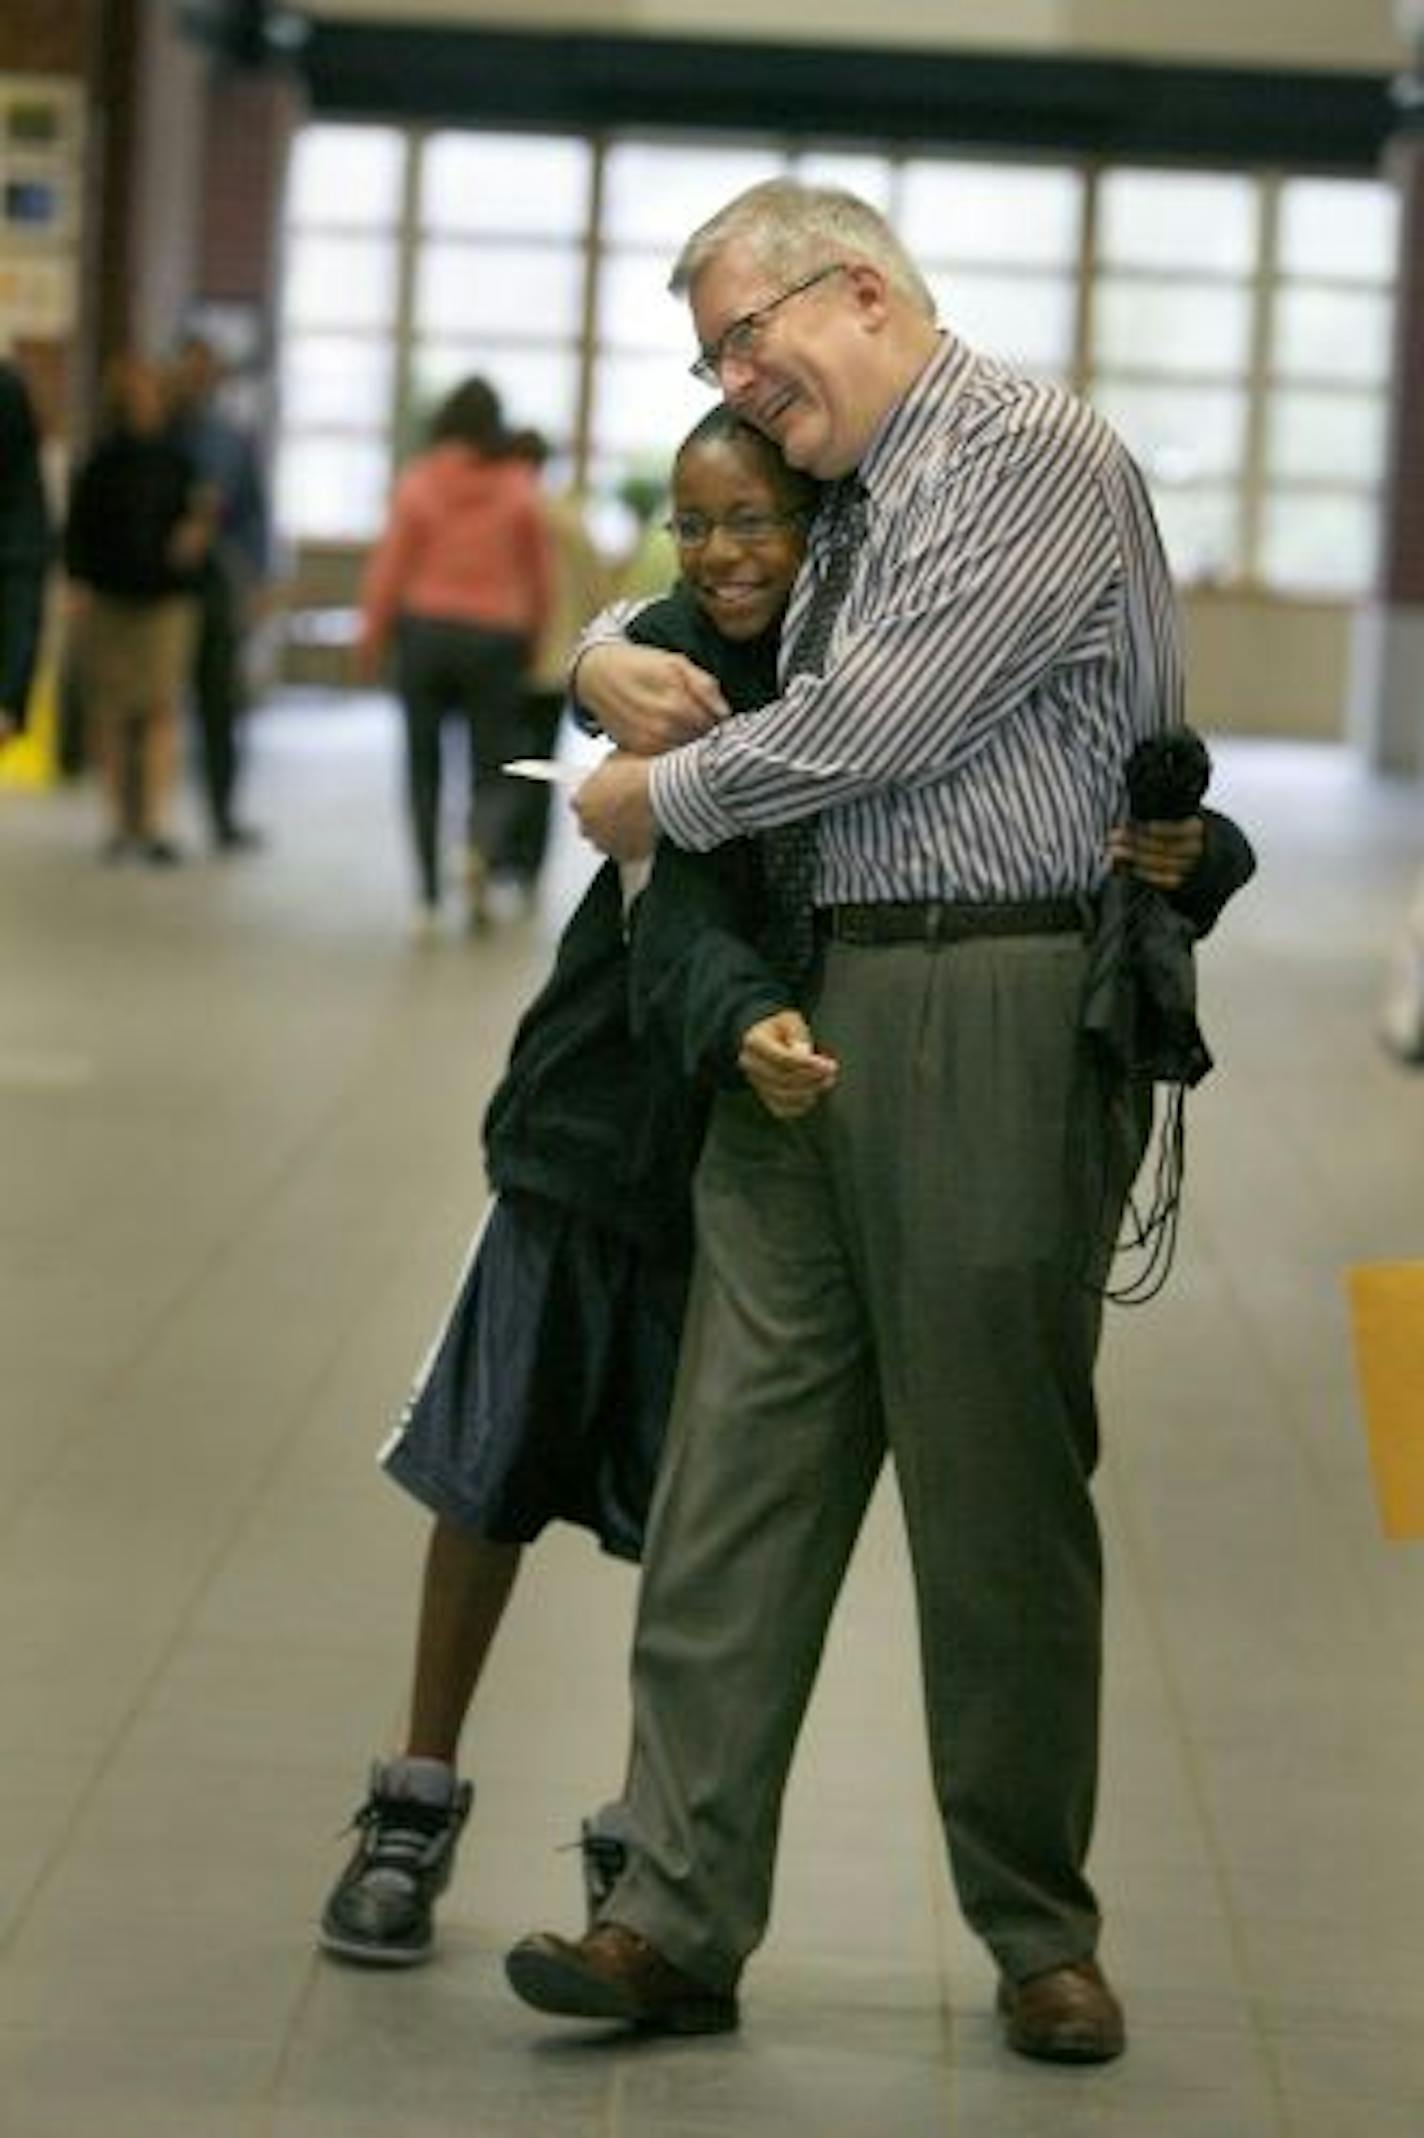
(401, 1833)
(605, 1858)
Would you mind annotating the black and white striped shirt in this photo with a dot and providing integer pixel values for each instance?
(1009, 636)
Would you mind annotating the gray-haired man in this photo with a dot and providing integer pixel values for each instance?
(911, 1261)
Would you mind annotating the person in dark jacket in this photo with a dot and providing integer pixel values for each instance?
(139, 526)
(25, 547)
(546, 1394)
(234, 572)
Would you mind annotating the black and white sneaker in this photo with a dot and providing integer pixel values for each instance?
(381, 1909)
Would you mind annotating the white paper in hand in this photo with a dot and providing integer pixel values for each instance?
(547, 769)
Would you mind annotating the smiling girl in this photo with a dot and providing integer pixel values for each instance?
(546, 1395)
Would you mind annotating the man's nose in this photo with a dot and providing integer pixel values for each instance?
(736, 375)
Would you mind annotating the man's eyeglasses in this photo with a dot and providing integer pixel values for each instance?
(691, 530)
(742, 337)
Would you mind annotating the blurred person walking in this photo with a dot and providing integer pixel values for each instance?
(460, 583)
(139, 528)
(25, 548)
(236, 568)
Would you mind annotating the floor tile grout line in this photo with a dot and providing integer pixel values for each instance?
(1350, 1557)
(1139, 1559)
(268, 1470)
(292, 1166)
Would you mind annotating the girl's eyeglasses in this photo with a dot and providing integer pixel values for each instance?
(692, 530)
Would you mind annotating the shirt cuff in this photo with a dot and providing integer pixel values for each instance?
(680, 796)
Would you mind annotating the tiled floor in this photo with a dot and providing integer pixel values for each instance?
(238, 1162)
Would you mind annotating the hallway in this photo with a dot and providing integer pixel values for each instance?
(239, 1162)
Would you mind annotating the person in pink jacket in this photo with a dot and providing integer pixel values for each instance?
(458, 588)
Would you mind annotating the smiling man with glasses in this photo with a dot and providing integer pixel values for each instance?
(916, 1266)
(739, 342)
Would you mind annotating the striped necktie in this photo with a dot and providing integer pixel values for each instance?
(789, 851)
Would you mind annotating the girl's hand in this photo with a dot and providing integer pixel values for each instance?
(779, 1061)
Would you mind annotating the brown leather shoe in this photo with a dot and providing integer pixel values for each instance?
(1068, 2015)
(612, 1973)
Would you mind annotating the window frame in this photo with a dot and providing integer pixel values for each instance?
(1256, 487)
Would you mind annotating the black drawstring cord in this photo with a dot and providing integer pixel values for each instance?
(1154, 1234)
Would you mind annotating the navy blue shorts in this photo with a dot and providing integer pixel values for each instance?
(547, 1394)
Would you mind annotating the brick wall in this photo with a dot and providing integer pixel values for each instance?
(251, 118)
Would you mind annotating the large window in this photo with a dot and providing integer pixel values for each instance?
(1234, 326)
(340, 329)
(1170, 297)
(643, 399)
(500, 272)
(1000, 245)
(1328, 360)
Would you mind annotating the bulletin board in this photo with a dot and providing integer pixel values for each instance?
(42, 121)
(41, 190)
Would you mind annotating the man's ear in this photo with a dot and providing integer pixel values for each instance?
(870, 292)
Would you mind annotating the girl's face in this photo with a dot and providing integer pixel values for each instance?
(738, 543)
(139, 396)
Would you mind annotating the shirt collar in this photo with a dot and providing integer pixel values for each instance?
(897, 445)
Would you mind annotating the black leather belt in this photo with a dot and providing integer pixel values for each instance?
(897, 921)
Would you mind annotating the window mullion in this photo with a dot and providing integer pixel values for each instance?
(408, 241)
(1258, 382)
(1080, 376)
(581, 444)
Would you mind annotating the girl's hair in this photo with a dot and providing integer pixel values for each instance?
(470, 415)
(722, 426)
(793, 229)
(528, 445)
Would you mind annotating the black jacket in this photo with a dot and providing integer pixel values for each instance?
(127, 500)
(1140, 991)
(603, 1105)
(25, 543)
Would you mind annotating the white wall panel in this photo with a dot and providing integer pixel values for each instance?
(1323, 33)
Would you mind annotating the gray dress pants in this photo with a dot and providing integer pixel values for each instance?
(914, 1267)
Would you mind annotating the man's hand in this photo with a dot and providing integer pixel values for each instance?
(1162, 853)
(647, 699)
(189, 542)
(779, 1061)
(613, 809)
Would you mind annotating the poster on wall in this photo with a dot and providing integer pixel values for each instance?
(41, 179)
(41, 205)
